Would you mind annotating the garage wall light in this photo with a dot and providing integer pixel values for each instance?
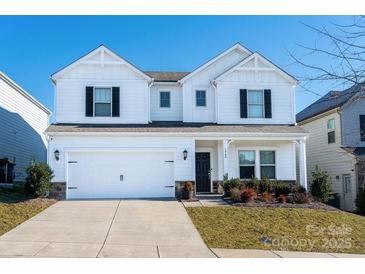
(185, 152)
(56, 154)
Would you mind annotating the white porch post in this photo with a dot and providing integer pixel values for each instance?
(226, 143)
(302, 164)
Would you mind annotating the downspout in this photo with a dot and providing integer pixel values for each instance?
(149, 100)
(215, 100)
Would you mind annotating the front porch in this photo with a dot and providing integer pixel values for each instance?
(244, 158)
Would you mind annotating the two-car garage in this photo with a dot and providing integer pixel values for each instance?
(120, 174)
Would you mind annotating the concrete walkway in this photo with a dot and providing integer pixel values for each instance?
(109, 228)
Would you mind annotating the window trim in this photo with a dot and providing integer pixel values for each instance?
(159, 99)
(111, 99)
(362, 138)
(331, 130)
(249, 165)
(206, 98)
(263, 103)
(274, 165)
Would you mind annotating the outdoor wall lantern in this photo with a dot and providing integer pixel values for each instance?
(57, 154)
(185, 152)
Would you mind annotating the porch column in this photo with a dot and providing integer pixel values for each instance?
(226, 143)
(302, 164)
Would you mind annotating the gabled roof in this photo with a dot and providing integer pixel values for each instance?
(257, 56)
(237, 46)
(331, 100)
(103, 49)
(166, 76)
(18, 88)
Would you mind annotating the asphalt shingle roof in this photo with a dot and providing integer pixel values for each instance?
(331, 100)
(166, 76)
(171, 127)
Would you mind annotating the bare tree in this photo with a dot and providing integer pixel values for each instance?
(343, 48)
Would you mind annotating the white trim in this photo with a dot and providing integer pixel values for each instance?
(205, 65)
(102, 49)
(263, 103)
(111, 100)
(18, 88)
(257, 56)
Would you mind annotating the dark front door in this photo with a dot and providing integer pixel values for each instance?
(202, 171)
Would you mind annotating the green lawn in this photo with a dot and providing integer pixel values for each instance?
(16, 208)
(280, 229)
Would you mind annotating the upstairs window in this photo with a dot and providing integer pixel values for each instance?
(201, 98)
(267, 164)
(331, 131)
(362, 128)
(103, 102)
(165, 99)
(255, 103)
(247, 164)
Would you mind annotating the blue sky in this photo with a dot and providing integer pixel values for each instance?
(33, 47)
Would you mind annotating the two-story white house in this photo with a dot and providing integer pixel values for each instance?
(23, 121)
(120, 132)
(336, 123)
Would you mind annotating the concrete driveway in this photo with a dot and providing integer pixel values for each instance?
(107, 228)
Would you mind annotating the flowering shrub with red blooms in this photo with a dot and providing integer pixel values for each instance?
(248, 194)
(266, 197)
(282, 199)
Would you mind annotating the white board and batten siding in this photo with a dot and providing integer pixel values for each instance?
(70, 94)
(282, 97)
(175, 111)
(329, 157)
(23, 122)
(202, 81)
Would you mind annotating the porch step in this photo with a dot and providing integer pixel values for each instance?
(208, 196)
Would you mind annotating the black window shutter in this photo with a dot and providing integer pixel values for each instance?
(268, 112)
(89, 102)
(243, 103)
(362, 127)
(115, 104)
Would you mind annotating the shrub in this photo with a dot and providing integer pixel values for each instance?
(235, 194)
(299, 189)
(253, 183)
(230, 184)
(39, 176)
(266, 197)
(360, 201)
(265, 185)
(188, 186)
(320, 187)
(281, 188)
(248, 194)
(282, 199)
(299, 198)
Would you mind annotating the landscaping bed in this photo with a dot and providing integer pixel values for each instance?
(293, 229)
(17, 207)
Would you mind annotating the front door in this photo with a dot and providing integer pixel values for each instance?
(347, 192)
(202, 171)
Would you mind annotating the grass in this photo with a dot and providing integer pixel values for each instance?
(16, 207)
(280, 229)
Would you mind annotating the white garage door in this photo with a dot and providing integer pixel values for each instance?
(120, 175)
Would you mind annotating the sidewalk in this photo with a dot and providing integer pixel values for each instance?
(256, 253)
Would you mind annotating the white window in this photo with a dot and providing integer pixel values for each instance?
(331, 138)
(255, 103)
(267, 164)
(247, 164)
(103, 101)
(165, 99)
(201, 98)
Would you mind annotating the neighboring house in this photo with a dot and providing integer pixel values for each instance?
(23, 121)
(121, 132)
(336, 144)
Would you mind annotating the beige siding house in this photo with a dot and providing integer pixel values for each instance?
(335, 142)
